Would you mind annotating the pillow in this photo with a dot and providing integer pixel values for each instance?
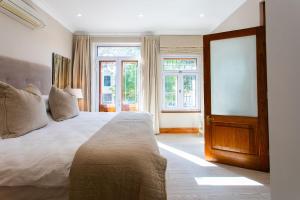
(21, 111)
(46, 101)
(69, 90)
(63, 105)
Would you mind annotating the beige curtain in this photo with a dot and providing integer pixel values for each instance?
(82, 69)
(62, 71)
(150, 78)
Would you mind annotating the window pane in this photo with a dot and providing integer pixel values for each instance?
(179, 64)
(108, 83)
(189, 91)
(118, 51)
(107, 98)
(170, 91)
(130, 96)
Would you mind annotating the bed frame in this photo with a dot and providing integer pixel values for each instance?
(20, 73)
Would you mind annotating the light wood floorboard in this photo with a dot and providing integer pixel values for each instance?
(185, 155)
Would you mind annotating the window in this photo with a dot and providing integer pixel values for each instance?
(130, 74)
(108, 83)
(118, 78)
(116, 51)
(171, 64)
(180, 76)
(171, 91)
(107, 98)
(106, 80)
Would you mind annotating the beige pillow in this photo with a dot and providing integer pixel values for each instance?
(21, 111)
(63, 105)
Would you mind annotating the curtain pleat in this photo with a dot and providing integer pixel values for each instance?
(62, 71)
(150, 78)
(82, 69)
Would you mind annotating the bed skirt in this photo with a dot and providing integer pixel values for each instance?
(34, 193)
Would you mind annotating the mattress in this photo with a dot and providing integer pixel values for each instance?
(42, 158)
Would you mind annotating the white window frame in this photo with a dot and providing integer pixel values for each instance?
(118, 61)
(180, 107)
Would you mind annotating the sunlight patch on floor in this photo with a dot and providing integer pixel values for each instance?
(185, 155)
(226, 181)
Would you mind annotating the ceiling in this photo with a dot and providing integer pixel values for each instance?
(125, 17)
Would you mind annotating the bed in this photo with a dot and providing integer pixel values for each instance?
(112, 155)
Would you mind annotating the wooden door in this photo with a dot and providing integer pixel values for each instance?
(235, 89)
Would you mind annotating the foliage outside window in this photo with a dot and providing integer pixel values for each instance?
(110, 51)
(130, 82)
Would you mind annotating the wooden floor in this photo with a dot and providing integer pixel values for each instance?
(190, 177)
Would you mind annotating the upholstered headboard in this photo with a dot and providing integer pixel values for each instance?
(20, 73)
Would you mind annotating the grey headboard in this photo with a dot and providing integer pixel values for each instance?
(20, 73)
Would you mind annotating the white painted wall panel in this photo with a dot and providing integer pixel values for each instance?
(283, 47)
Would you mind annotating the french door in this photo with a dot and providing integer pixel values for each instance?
(118, 85)
(129, 77)
(235, 89)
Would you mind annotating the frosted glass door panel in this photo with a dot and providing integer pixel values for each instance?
(234, 77)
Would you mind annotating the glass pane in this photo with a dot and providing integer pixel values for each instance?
(108, 86)
(189, 91)
(180, 64)
(170, 91)
(233, 77)
(130, 95)
(119, 51)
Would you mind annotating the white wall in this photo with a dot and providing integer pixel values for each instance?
(181, 120)
(283, 52)
(248, 15)
(21, 42)
(115, 39)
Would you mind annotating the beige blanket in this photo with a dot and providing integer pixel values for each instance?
(120, 162)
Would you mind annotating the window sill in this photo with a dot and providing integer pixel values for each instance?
(180, 111)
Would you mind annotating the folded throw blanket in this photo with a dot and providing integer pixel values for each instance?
(120, 162)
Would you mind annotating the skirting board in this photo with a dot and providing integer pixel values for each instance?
(179, 130)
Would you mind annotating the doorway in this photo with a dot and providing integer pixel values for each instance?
(118, 78)
(235, 90)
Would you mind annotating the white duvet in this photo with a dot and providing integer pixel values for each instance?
(43, 157)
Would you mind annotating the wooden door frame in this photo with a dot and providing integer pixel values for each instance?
(262, 127)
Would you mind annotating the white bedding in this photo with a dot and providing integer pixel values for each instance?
(43, 157)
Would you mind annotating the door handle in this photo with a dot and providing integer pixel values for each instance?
(209, 119)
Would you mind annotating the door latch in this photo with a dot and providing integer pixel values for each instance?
(209, 119)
